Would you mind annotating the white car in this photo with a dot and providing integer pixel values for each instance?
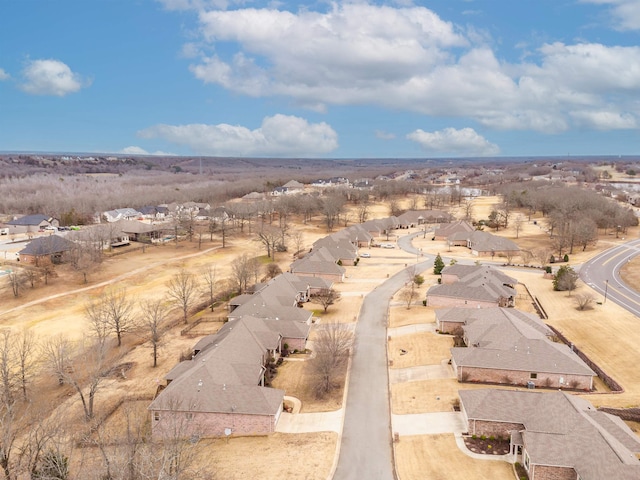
(387, 245)
(365, 255)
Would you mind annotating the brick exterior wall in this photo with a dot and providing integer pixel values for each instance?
(448, 327)
(495, 429)
(448, 279)
(295, 343)
(202, 424)
(474, 374)
(544, 472)
(438, 301)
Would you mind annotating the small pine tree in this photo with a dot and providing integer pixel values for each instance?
(565, 258)
(438, 265)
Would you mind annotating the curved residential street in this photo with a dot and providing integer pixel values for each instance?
(602, 273)
(366, 449)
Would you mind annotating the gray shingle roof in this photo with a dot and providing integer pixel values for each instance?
(47, 246)
(30, 220)
(501, 338)
(561, 430)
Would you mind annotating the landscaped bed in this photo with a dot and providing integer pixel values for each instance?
(487, 445)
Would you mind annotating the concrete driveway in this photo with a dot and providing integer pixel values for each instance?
(421, 372)
(310, 422)
(428, 423)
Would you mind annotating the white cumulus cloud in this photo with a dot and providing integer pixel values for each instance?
(625, 13)
(4, 75)
(50, 77)
(134, 150)
(408, 58)
(463, 142)
(279, 135)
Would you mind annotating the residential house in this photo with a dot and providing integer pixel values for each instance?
(319, 263)
(342, 250)
(140, 231)
(253, 197)
(122, 214)
(513, 347)
(415, 218)
(154, 213)
(473, 286)
(443, 232)
(484, 243)
(355, 234)
(30, 224)
(554, 435)
(50, 249)
(221, 390)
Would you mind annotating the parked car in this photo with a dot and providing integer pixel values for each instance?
(365, 255)
(387, 245)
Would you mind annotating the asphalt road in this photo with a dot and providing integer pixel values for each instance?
(366, 448)
(602, 273)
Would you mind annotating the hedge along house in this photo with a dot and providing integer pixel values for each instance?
(555, 435)
(221, 390)
(515, 348)
(473, 286)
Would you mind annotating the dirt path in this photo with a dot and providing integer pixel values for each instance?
(108, 282)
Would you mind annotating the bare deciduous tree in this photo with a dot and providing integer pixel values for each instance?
(241, 271)
(119, 312)
(17, 281)
(182, 291)
(583, 301)
(84, 366)
(210, 280)
(326, 297)
(332, 347)
(154, 316)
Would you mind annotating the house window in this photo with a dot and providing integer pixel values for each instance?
(533, 376)
(189, 416)
(156, 416)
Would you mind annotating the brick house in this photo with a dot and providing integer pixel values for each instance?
(319, 263)
(512, 347)
(554, 435)
(472, 286)
(47, 250)
(221, 390)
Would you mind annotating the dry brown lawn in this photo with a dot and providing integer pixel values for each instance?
(294, 378)
(423, 348)
(305, 456)
(401, 316)
(437, 457)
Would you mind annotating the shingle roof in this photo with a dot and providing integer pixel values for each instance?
(444, 231)
(223, 377)
(561, 430)
(30, 220)
(47, 246)
(319, 261)
(475, 282)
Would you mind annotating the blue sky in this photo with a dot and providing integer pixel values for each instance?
(446, 78)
